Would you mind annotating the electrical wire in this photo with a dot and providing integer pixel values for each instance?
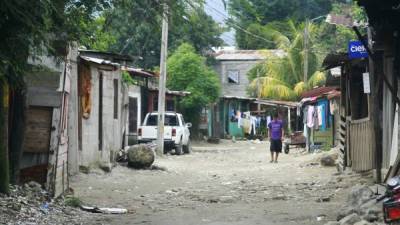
(230, 20)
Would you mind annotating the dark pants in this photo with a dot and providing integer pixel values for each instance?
(276, 146)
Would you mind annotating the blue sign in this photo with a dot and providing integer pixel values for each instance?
(357, 50)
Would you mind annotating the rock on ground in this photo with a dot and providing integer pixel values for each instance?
(328, 160)
(359, 195)
(141, 156)
(363, 222)
(332, 223)
(350, 219)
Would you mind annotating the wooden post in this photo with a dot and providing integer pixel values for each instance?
(377, 131)
(162, 81)
(4, 163)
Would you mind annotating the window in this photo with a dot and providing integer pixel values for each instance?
(233, 77)
(115, 98)
(170, 105)
(133, 114)
(170, 120)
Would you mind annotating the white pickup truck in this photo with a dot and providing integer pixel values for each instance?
(176, 132)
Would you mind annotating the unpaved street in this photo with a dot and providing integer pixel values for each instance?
(229, 183)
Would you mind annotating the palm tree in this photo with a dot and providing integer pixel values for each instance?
(282, 77)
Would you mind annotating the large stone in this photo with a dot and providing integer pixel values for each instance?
(359, 195)
(141, 156)
(345, 211)
(327, 160)
(350, 219)
(360, 200)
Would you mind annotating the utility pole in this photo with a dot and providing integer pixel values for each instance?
(162, 81)
(258, 92)
(306, 51)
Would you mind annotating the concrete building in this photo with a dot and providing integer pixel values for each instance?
(103, 101)
(232, 67)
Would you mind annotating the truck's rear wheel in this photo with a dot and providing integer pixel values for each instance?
(179, 148)
(187, 149)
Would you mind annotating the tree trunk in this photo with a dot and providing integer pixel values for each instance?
(4, 169)
(17, 133)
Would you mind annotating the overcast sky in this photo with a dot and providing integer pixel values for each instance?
(216, 9)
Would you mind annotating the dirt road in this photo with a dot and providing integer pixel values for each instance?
(229, 183)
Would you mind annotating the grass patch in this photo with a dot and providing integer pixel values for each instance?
(73, 202)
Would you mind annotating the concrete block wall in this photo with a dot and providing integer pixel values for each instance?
(230, 89)
(91, 155)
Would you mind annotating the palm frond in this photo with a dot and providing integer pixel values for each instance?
(317, 79)
(278, 92)
(300, 87)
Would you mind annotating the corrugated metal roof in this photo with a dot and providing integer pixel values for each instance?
(109, 55)
(243, 55)
(177, 93)
(344, 20)
(334, 59)
(277, 103)
(317, 92)
(99, 61)
(238, 98)
(138, 72)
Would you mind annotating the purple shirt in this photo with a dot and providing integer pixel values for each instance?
(275, 129)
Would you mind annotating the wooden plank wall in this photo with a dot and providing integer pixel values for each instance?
(37, 131)
(362, 145)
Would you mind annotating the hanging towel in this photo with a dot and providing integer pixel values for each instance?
(305, 130)
(310, 116)
(315, 118)
(305, 112)
(319, 114)
(268, 120)
(332, 107)
(239, 118)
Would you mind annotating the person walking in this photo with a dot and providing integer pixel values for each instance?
(276, 133)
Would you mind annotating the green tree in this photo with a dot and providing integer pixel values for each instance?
(136, 26)
(335, 38)
(28, 29)
(248, 13)
(282, 77)
(187, 71)
(96, 37)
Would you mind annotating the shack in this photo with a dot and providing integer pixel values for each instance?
(45, 149)
(319, 113)
(356, 141)
(103, 108)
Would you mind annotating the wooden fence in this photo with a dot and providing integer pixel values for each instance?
(362, 145)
